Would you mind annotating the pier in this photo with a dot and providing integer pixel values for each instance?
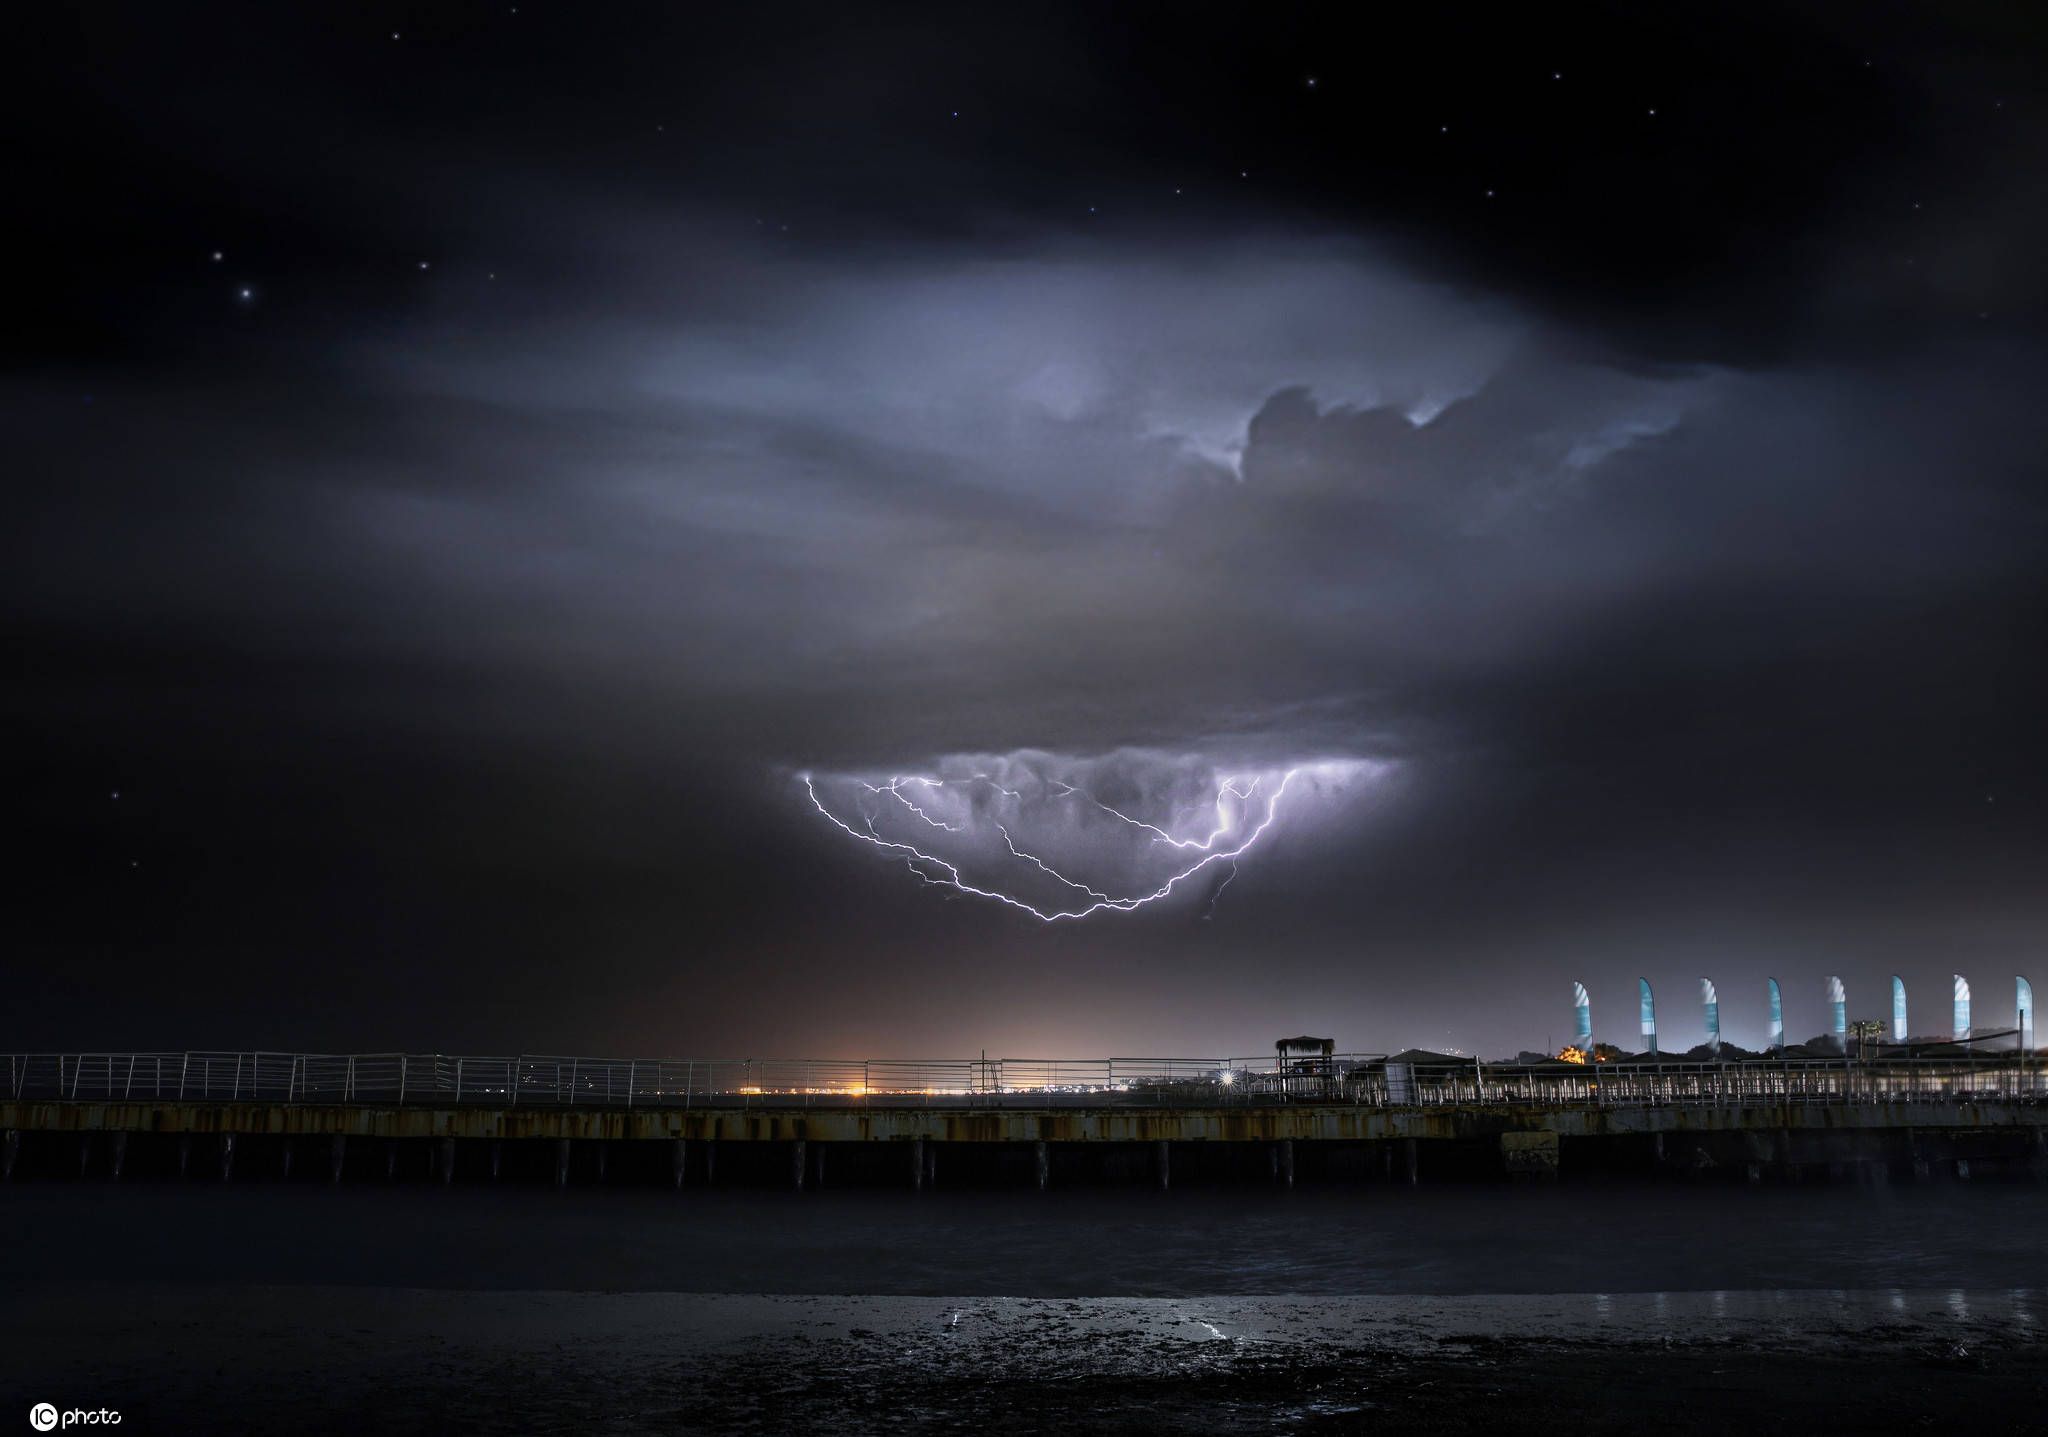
(819, 1125)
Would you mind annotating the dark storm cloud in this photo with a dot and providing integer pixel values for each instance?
(1672, 540)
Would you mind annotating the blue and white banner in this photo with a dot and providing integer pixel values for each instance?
(1962, 1007)
(1649, 1017)
(1582, 1020)
(1712, 1002)
(1838, 1013)
(1777, 1016)
(1898, 1009)
(2026, 1015)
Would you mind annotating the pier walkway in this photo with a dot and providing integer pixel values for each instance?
(1007, 1120)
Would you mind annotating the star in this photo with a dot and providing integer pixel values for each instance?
(423, 264)
(1653, 112)
(248, 294)
(217, 256)
(1556, 75)
(1311, 82)
(394, 34)
(117, 793)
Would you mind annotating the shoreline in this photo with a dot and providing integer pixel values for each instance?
(268, 1358)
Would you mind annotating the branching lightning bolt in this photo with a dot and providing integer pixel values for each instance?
(1210, 911)
(894, 788)
(1227, 789)
(913, 856)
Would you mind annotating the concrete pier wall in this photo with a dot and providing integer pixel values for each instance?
(1023, 1148)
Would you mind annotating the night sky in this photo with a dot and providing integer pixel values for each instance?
(469, 465)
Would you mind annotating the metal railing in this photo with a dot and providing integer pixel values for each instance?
(434, 1079)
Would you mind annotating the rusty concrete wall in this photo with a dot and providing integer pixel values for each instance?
(1312, 1124)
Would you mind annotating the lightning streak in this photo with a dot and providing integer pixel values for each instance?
(1227, 789)
(925, 864)
(894, 788)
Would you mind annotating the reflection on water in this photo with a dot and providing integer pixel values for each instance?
(1337, 1241)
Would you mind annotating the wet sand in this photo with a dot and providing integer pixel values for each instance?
(359, 1359)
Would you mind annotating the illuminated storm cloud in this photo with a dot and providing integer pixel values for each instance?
(1058, 837)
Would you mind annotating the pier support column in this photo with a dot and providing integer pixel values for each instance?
(602, 1148)
(1162, 1160)
(10, 1149)
(285, 1158)
(818, 1167)
(1283, 1161)
(561, 1162)
(931, 1163)
(184, 1152)
(1042, 1162)
(1962, 1169)
(917, 1164)
(497, 1158)
(447, 1160)
(227, 1156)
(710, 1160)
(679, 1161)
(1411, 1157)
(390, 1159)
(796, 1164)
(337, 1150)
(1755, 1173)
(84, 1152)
(117, 1155)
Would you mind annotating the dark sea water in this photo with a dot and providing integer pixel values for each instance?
(1370, 1240)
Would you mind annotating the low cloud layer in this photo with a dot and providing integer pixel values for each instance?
(1067, 839)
